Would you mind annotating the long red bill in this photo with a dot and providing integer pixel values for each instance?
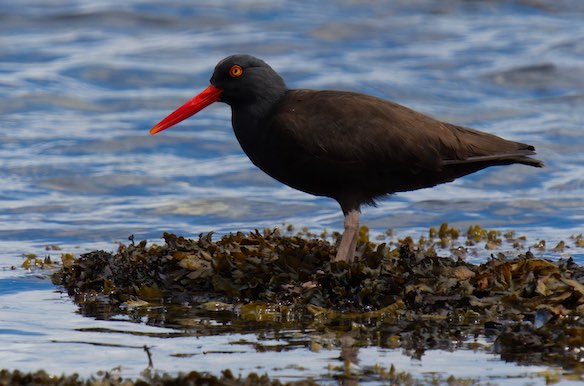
(193, 106)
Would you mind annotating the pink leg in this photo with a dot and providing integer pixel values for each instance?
(346, 251)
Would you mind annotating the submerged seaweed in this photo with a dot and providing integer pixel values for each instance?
(42, 378)
(406, 297)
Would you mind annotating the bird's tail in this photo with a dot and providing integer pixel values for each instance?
(521, 156)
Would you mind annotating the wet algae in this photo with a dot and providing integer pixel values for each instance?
(113, 379)
(401, 295)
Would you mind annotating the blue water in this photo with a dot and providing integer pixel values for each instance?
(81, 82)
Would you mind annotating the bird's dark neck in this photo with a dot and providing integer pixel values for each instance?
(250, 119)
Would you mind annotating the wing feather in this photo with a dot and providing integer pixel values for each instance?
(356, 129)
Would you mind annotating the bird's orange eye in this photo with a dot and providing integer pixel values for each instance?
(235, 71)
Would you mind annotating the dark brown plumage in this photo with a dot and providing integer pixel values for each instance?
(351, 147)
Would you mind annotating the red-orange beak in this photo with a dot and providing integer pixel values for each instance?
(193, 106)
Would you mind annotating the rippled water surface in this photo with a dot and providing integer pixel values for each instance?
(81, 82)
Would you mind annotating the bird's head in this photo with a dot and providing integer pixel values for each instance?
(237, 80)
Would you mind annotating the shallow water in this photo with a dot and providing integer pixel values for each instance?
(82, 82)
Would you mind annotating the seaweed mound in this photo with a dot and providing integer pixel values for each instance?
(531, 304)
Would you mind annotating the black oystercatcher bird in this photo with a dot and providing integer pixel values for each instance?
(351, 147)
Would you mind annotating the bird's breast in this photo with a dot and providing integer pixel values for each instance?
(251, 135)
